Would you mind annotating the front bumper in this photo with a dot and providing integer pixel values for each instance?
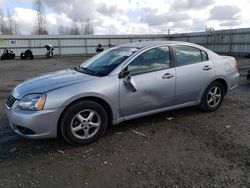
(41, 124)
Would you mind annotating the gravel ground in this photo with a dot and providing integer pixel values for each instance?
(194, 149)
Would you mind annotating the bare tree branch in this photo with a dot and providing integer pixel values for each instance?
(74, 30)
(10, 22)
(3, 26)
(8, 25)
(40, 22)
(89, 29)
(77, 28)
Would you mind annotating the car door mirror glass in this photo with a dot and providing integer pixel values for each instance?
(124, 73)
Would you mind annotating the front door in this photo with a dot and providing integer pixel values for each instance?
(151, 83)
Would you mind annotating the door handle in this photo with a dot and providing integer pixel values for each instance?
(207, 68)
(167, 76)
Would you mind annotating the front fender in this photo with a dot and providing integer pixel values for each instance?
(103, 88)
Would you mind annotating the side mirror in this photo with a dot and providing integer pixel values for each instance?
(127, 80)
(124, 73)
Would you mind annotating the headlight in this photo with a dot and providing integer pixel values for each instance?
(32, 102)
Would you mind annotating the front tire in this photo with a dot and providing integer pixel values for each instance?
(84, 122)
(213, 97)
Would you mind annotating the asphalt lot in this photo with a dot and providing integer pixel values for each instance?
(194, 149)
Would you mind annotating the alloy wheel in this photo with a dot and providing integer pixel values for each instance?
(85, 124)
(214, 96)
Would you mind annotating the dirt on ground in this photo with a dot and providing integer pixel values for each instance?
(181, 148)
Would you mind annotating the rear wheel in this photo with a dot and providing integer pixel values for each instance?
(213, 97)
(83, 123)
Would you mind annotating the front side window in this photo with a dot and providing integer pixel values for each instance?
(188, 55)
(151, 60)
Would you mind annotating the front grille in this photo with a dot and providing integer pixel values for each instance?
(10, 101)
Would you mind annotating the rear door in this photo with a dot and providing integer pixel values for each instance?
(194, 70)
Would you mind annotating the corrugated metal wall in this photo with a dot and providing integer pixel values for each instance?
(70, 44)
(229, 42)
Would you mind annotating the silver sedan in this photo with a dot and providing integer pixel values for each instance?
(119, 84)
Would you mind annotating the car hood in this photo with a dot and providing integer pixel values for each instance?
(50, 81)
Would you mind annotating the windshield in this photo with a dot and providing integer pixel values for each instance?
(105, 62)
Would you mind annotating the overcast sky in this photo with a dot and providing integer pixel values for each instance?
(135, 16)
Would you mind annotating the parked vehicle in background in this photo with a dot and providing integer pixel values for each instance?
(28, 54)
(7, 54)
(99, 48)
(119, 84)
(50, 50)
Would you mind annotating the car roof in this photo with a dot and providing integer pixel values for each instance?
(145, 44)
(148, 44)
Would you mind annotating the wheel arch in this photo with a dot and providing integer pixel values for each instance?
(223, 82)
(218, 79)
(100, 101)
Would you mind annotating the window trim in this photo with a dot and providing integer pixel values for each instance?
(171, 58)
(179, 65)
(206, 54)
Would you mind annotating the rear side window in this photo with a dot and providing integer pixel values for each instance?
(188, 55)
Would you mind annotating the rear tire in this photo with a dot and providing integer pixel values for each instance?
(213, 97)
(83, 123)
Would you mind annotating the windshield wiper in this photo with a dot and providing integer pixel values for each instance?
(79, 69)
(87, 69)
